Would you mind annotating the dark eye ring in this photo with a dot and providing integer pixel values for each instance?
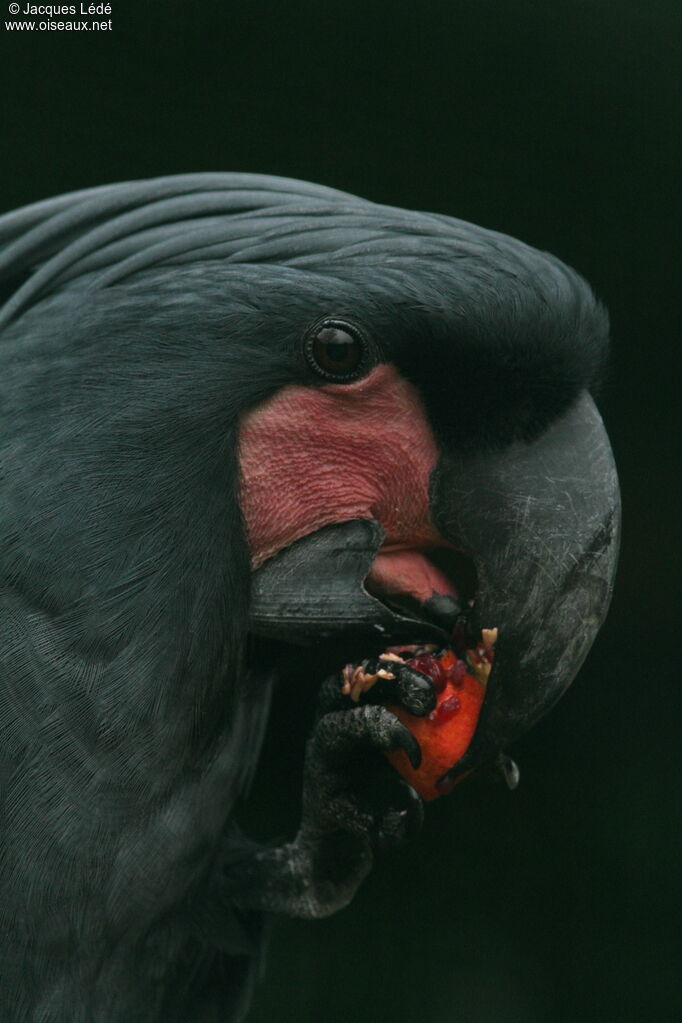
(336, 350)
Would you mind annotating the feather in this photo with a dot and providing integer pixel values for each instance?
(139, 322)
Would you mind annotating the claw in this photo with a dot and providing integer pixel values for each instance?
(405, 741)
(349, 785)
(416, 692)
(401, 684)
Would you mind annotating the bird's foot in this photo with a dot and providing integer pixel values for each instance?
(353, 800)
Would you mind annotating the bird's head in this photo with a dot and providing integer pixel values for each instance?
(439, 453)
(407, 397)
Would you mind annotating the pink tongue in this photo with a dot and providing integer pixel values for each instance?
(408, 572)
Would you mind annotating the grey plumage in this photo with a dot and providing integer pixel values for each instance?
(140, 320)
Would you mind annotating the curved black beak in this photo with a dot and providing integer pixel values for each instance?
(541, 522)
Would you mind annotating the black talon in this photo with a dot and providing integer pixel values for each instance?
(417, 691)
(409, 687)
(405, 741)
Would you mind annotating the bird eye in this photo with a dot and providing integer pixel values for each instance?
(336, 350)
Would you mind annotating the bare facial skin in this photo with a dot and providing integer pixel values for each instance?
(362, 450)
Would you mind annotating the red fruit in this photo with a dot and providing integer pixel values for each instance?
(444, 735)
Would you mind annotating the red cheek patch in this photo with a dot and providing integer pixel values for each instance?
(313, 456)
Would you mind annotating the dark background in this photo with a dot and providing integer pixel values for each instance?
(552, 120)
